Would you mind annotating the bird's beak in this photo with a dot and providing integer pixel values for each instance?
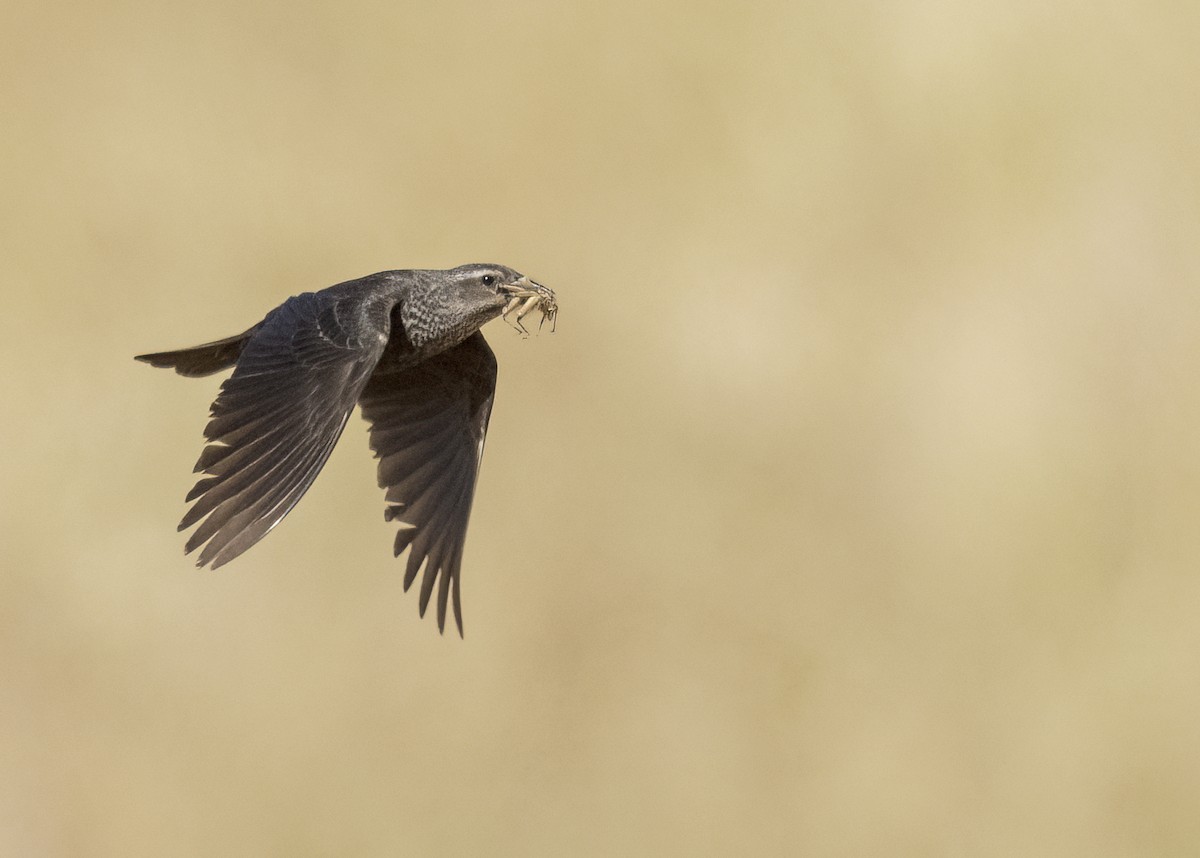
(523, 288)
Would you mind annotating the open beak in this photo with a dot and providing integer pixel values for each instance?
(524, 288)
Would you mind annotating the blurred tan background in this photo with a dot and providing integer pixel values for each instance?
(852, 510)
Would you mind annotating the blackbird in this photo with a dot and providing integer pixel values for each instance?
(403, 345)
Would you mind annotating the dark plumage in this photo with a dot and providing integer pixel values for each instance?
(406, 346)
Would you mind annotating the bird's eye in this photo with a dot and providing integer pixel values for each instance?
(488, 280)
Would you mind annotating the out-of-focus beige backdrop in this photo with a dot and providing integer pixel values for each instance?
(854, 508)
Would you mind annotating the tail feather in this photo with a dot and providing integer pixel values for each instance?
(201, 360)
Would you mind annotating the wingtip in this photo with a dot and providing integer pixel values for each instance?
(456, 597)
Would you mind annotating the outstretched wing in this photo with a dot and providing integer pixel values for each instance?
(278, 416)
(427, 427)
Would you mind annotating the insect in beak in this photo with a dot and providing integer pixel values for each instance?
(526, 295)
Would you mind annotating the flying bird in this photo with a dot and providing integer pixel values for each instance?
(406, 347)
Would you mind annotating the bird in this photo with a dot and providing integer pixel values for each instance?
(406, 347)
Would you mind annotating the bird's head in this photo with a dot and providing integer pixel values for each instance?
(448, 306)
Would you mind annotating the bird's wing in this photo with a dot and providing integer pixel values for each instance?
(427, 427)
(278, 416)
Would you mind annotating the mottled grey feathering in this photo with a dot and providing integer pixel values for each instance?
(405, 345)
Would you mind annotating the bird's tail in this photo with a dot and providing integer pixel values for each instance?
(201, 360)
